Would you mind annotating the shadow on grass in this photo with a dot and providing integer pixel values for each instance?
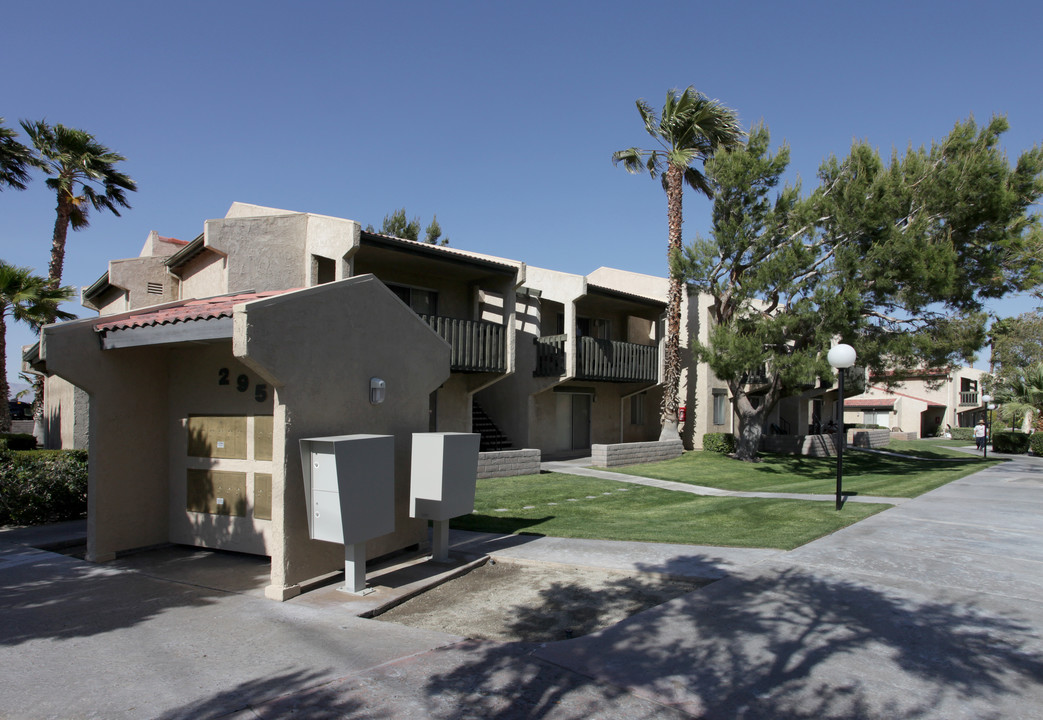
(498, 523)
(855, 463)
(790, 644)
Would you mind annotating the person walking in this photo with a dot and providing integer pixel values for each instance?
(979, 436)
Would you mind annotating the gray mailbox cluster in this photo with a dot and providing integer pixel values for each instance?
(349, 482)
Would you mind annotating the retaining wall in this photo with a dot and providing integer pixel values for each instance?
(507, 463)
(635, 453)
(823, 445)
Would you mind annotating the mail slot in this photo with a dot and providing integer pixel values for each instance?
(349, 482)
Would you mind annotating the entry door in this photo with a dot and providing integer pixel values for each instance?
(580, 422)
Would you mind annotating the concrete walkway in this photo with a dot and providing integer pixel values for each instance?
(928, 610)
(579, 467)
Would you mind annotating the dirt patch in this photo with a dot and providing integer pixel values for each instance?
(508, 601)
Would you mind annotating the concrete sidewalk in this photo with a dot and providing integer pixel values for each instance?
(927, 610)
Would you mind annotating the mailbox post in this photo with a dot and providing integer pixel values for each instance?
(349, 482)
(443, 473)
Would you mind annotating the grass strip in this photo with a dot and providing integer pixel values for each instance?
(571, 506)
(864, 473)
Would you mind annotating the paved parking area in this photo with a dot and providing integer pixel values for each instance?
(928, 610)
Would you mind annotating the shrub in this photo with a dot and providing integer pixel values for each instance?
(723, 443)
(42, 486)
(18, 441)
(1036, 443)
(1010, 442)
(962, 433)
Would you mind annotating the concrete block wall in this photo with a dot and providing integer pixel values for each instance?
(507, 463)
(903, 435)
(635, 453)
(868, 438)
(823, 445)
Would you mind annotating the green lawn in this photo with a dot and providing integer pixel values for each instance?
(864, 473)
(580, 507)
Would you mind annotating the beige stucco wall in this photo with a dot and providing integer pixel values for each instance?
(319, 359)
(274, 251)
(204, 276)
(129, 449)
(135, 274)
(66, 415)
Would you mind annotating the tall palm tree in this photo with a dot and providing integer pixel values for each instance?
(83, 174)
(690, 129)
(25, 298)
(15, 160)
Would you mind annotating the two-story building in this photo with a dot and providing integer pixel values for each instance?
(211, 359)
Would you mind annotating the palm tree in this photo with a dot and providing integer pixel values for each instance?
(25, 298)
(691, 129)
(1023, 394)
(15, 160)
(83, 174)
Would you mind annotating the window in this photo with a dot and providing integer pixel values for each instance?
(877, 417)
(637, 409)
(597, 328)
(422, 302)
(720, 407)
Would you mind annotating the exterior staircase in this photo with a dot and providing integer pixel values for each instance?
(492, 437)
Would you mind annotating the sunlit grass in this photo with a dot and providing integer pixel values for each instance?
(863, 473)
(580, 507)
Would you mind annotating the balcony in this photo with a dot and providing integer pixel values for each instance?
(606, 360)
(969, 398)
(477, 346)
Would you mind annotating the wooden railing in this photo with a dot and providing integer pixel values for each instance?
(477, 346)
(608, 360)
(550, 356)
(617, 361)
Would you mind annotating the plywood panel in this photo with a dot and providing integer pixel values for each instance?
(262, 496)
(263, 437)
(216, 492)
(217, 436)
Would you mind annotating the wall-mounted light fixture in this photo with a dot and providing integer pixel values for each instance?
(377, 389)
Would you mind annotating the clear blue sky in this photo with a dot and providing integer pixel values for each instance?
(499, 117)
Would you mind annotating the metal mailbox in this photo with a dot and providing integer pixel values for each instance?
(349, 482)
(443, 473)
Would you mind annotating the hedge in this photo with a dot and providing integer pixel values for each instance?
(18, 441)
(1036, 442)
(723, 443)
(42, 486)
(963, 433)
(1010, 442)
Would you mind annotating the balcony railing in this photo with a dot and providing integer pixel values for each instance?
(550, 356)
(617, 361)
(477, 346)
(969, 398)
(607, 360)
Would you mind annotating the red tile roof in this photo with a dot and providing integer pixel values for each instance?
(210, 308)
(869, 402)
(172, 241)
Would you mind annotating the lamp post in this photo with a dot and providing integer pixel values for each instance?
(840, 357)
(987, 399)
(988, 430)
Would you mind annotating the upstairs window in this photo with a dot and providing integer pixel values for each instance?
(422, 302)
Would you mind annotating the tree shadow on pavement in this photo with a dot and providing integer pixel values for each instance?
(302, 695)
(786, 644)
